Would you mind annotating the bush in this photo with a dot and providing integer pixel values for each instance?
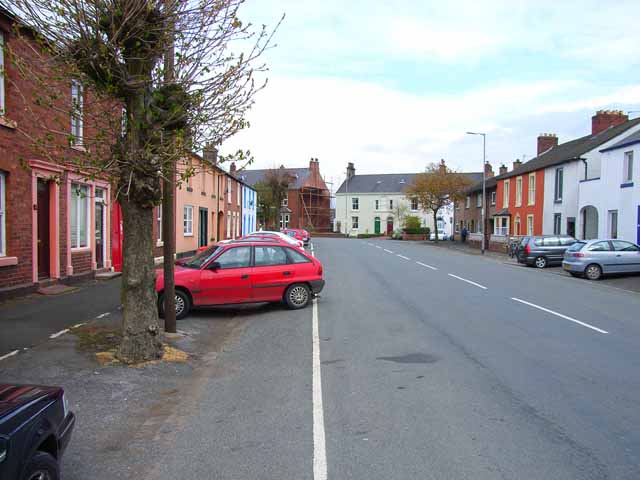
(370, 235)
(412, 222)
(417, 231)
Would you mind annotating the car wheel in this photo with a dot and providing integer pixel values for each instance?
(183, 305)
(540, 262)
(297, 296)
(41, 466)
(593, 272)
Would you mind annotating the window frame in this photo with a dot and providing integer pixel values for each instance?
(355, 203)
(77, 113)
(159, 220)
(391, 204)
(3, 216)
(75, 194)
(627, 172)
(187, 221)
(505, 194)
(558, 186)
(531, 189)
(285, 202)
(467, 202)
(417, 206)
(494, 194)
(228, 249)
(355, 223)
(282, 249)
(479, 200)
(530, 230)
(557, 222)
(518, 202)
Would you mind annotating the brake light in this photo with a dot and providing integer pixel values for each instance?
(578, 255)
(319, 268)
(527, 249)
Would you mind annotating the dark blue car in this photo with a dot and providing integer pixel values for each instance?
(35, 428)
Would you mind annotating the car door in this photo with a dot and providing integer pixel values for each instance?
(227, 279)
(272, 273)
(552, 249)
(627, 256)
(602, 254)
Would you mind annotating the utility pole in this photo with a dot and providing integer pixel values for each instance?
(346, 205)
(168, 212)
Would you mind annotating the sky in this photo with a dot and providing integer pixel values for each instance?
(394, 85)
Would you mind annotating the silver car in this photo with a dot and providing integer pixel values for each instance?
(594, 258)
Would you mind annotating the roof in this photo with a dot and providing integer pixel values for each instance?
(489, 183)
(573, 150)
(251, 177)
(630, 140)
(386, 182)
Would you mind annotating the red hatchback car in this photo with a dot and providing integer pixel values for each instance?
(244, 271)
(298, 233)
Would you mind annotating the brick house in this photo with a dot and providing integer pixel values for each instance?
(54, 222)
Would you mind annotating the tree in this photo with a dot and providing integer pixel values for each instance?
(272, 191)
(437, 187)
(117, 48)
(267, 208)
(400, 212)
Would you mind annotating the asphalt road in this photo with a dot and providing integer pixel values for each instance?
(424, 375)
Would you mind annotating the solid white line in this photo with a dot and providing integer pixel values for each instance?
(319, 446)
(78, 325)
(388, 251)
(103, 315)
(378, 246)
(61, 332)
(402, 256)
(425, 265)
(10, 354)
(468, 281)
(599, 330)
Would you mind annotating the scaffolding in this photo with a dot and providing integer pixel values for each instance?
(317, 214)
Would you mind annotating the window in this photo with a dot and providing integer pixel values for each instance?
(505, 196)
(471, 226)
(502, 226)
(236, 257)
(79, 216)
(296, 257)
(558, 184)
(1, 75)
(613, 224)
(77, 106)
(228, 232)
(600, 247)
(203, 179)
(414, 204)
(529, 224)
(229, 191)
(187, 224)
(628, 167)
(284, 220)
(3, 241)
(123, 122)
(479, 200)
(266, 256)
(354, 223)
(493, 197)
(377, 204)
(467, 203)
(518, 191)
(239, 193)
(620, 246)
(557, 223)
(355, 203)
(551, 241)
(159, 220)
(391, 204)
(532, 189)
(516, 225)
(237, 225)
(285, 202)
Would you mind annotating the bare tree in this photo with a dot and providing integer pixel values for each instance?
(117, 48)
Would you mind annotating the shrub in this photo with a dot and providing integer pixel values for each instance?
(411, 222)
(418, 231)
(369, 235)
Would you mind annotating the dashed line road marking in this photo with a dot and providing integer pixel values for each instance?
(425, 265)
(388, 251)
(378, 246)
(599, 330)
(468, 281)
(102, 315)
(78, 325)
(10, 354)
(57, 334)
(402, 256)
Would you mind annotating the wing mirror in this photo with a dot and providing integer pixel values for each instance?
(215, 266)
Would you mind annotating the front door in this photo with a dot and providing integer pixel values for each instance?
(231, 283)
(100, 238)
(389, 226)
(271, 274)
(571, 227)
(203, 227)
(376, 225)
(44, 259)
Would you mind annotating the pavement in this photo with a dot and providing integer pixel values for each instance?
(416, 362)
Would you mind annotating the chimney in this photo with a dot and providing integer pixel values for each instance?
(604, 119)
(351, 170)
(488, 170)
(442, 168)
(547, 141)
(517, 163)
(232, 168)
(314, 165)
(210, 153)
(503, 169)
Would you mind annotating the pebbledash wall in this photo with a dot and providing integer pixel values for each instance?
(36, 195)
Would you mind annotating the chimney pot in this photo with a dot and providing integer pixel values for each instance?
(503, 169)
(351, 170)
(605, 119)
(488, 170)
(517, 163)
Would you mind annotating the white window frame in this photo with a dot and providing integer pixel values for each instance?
(355, 203)
(237, 224)
(518, 192)
(3, 230)
(228, 191)
(530, 223)
(479, 200)
(355, 223)
(377, 204)
(505, 194)
(558, 185)
(285, 218)
(159, 220)
(2, 94)
(611, 234)
(493, 197)
(467, 203)
(557, 224)
(228, 232)
(414, 202)
(187, 221)
(532, 189)
(391, 204)
(239, 193)
(627, 172)
(517, 225)
(285, 202)
(77, 113)
(75, 193)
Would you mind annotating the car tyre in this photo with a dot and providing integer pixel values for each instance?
(297, 296)
(593, 272)
(540, 262)
(183, 304)
(41, 466)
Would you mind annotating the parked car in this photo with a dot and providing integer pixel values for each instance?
(441, 235)
(245, 271)
(35, 429)
(544, 250)
(287, 238)
(298, 233)
(594, 258)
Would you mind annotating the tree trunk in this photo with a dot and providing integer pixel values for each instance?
(435, 223)
(140, 333)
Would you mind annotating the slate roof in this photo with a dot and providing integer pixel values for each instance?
(630, 140)
(254, 176)
(386, 182)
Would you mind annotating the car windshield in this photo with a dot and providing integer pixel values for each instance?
(576, 247)
(200, 258)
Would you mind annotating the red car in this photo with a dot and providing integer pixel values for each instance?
(298, 233)
(244, 271)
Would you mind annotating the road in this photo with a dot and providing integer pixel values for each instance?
(433, 365)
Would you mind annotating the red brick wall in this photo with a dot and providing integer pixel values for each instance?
(81, 262)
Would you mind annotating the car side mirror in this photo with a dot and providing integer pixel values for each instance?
(215, 266)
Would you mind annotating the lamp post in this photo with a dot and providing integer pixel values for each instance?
(484, 195)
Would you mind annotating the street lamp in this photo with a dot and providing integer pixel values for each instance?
(484, 195)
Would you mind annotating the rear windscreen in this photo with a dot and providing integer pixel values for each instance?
(576, 247)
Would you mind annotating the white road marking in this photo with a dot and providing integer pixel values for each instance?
(78, 325)
(468, 281)
(319, 446)
(388, 251)
(10, 354)
(425, 265)
(102, 315)
(402, 256)
(61, 332)
(378, 246)
(599, 330)
(370, 244)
